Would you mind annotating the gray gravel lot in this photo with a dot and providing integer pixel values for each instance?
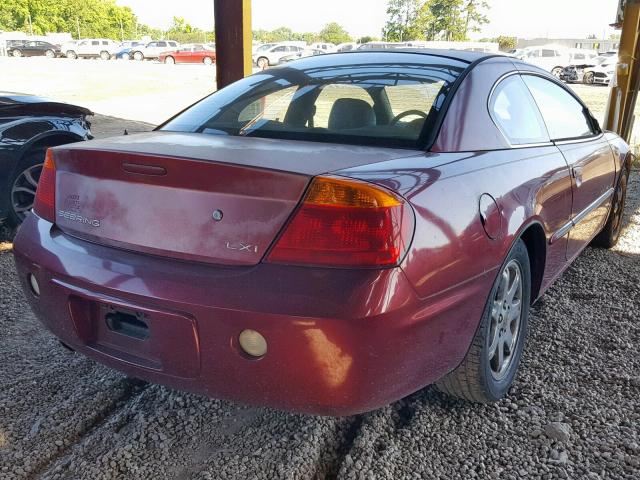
(574, 411)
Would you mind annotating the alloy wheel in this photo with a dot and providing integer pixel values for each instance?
(50, 54)
(17, 53)
(207, 61)
(23, 190)
(506, 315)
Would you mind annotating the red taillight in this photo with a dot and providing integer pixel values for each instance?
(346, 223)
(45, 204)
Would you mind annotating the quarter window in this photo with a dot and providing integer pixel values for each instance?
(515, 113)
(564, 116)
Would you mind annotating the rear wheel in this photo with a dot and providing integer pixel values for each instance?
(138, 56)
(610, 234)
(263, 63)
(490, 366)
(72, 55)
(207, 61)
(24, 184)
(170, 60)
(50, 54)
(556, 72)
(104, 55)
(17, 53)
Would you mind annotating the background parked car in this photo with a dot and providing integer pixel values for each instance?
(124, 52)
(309, 52)
(325, 47)
(152, 50)
(196, 53)
(34, 49)
(93, 48)
(28, 126)
(272, 55)
(347, 47)
(601, 74)
(554, 58)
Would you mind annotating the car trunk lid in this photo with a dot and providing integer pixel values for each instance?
(220, 200)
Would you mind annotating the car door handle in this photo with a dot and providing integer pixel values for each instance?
(576, 171)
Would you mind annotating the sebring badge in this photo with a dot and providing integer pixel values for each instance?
(72, 209)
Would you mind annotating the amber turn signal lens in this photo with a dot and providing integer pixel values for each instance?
(348, 193)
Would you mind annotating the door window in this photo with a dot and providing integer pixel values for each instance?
(514, 112)
(95, 42)
(563, 114)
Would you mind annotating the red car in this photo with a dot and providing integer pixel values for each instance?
(327, 237)
(189, 54)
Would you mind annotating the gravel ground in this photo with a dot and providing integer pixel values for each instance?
(572, 413)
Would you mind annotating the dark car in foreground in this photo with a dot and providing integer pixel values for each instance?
(29, 125)
(34, 49)
(329, 236)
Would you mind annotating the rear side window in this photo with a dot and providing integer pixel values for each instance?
(515, 113)
(564, 116)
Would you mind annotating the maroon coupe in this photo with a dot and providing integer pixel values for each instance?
(330, 236)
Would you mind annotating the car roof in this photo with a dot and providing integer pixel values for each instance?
(400, 55)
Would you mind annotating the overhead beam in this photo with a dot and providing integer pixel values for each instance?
(234, 39)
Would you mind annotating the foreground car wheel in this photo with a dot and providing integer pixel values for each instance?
(24, 185)
(488, 370)
(610, 234)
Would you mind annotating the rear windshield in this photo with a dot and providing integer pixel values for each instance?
(384, 104)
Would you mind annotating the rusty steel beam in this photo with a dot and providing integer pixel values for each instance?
(233, 40)
(619, 116)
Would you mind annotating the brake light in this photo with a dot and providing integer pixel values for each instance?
(346, 223)
(45, 203)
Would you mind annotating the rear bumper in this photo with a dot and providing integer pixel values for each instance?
(339, 341)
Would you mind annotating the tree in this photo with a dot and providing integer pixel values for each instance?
(334, 33)
(474, 17)
(400, 25)
(507, 43)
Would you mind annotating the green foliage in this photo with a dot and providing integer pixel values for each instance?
(92, 18)
(332, 33)
(401, 20)
(434, 19)
(183, 32)
(507, 43)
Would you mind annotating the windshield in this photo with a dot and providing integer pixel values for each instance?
(387, 104)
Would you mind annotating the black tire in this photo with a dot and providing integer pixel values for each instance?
(138, 56)
(32, 162)
(610, 234)
(50, 54)
(262, 63)
(474, 379)
(17, 53)
(557, 71)
(104, 55)
(170, 60)
(207, 61)
(72, 55)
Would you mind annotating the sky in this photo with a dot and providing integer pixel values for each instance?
(519, 18)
